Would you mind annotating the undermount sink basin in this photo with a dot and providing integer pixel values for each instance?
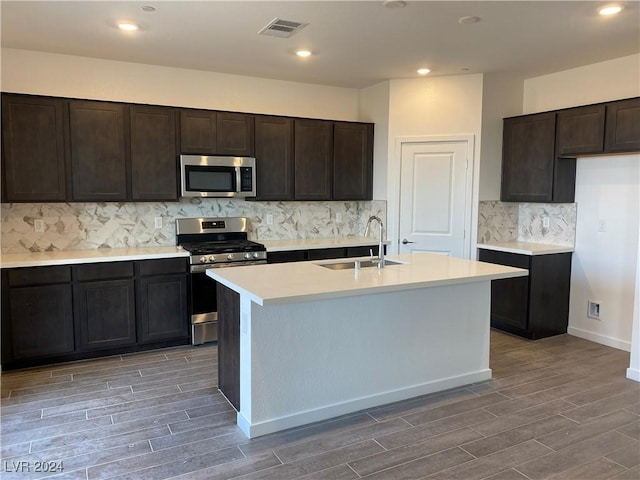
(352, 264)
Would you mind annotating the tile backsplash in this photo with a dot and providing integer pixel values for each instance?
(84, 226)
(501, 222)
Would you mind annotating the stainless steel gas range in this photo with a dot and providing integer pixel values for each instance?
(213, 243)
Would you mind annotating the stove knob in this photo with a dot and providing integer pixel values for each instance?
(247, 256)
(212, 258)
(203, 259)
(256, 255)
(230, 257)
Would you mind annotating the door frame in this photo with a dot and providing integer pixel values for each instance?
(471, 189)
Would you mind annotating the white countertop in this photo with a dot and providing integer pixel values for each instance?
(304, 281)
(315, 243)
(40, 259)
(526, 248)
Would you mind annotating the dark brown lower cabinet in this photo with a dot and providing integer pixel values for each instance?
(162, 300)
(62, 313)
(41, 322)
(105, 311)
(321, 254)
(229, 344)
(535, 306)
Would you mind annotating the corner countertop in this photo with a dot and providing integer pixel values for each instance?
(304, 281)
(69, 257)
(526, 248)
(316, 243)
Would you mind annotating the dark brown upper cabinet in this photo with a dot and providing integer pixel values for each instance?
(154, 166)
(274, 158)
(581, 131)
(98, 152)
(206, 132)
(313, 147)
(352, 161)
(198, 131)
(531, 171)
(623, 126)
(33, 142)
(235, 134)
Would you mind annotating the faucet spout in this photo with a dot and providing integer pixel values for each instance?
(381, 239)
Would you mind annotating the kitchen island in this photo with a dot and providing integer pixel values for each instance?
(300, 342)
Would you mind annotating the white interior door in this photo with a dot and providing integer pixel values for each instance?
(435, 197)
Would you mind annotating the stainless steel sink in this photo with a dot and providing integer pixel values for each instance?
(352, 264)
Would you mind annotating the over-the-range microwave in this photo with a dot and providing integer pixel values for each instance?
(212, 176)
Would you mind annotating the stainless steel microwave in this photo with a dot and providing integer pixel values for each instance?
(209, 176)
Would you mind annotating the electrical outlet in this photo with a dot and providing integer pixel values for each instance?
(338, 217)
(38, 225)
(602, 225)
(593, 309)
(269, 219)
(545, 221)
(158, 222)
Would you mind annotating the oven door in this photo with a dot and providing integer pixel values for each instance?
(209, 181)
(204, 309)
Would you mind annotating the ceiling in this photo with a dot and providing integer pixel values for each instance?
(355, 44)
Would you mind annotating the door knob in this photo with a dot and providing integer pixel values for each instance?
(405, 241)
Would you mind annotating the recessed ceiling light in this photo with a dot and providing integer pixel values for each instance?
(423, 71)
(610, 10)
(303, 53)
(470, 20)
(128, 26)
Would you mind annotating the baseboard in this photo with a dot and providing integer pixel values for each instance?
(329, 411)
(601, 339)
(633, 374)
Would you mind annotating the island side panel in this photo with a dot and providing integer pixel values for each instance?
(308, 361)
(229, 344)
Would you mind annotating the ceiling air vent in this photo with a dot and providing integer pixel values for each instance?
(282, 28)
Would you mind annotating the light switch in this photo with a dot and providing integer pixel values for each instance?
(602, 225)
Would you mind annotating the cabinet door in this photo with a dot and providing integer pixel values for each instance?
(105, 314)
(154, 168)
(312, 159)
(98, 158)
(41, 321)
(580, 131)
(235, 134)
(623, 126)
(33, 164)
(274, 158)
(510, 296)
(162, 308)
(528, 158)
(352, 161)
(198, 132)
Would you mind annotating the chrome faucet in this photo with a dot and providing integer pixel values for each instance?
(381, 244)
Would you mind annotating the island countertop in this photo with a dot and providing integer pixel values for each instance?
(306, 281)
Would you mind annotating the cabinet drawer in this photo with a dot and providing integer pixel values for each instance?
(39, 275)
(103, 271)
(161, 267)
(516, 260)
(362, 251)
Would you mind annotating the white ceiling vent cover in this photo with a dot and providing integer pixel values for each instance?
(282, 28)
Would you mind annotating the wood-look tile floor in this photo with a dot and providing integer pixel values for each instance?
(556, 408)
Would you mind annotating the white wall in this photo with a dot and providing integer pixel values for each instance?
(374, 107)
(604, 263)
(501, 97)
(607, 187)
(438, 106)
(633, 372)
(42, 73)
(600, 82)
